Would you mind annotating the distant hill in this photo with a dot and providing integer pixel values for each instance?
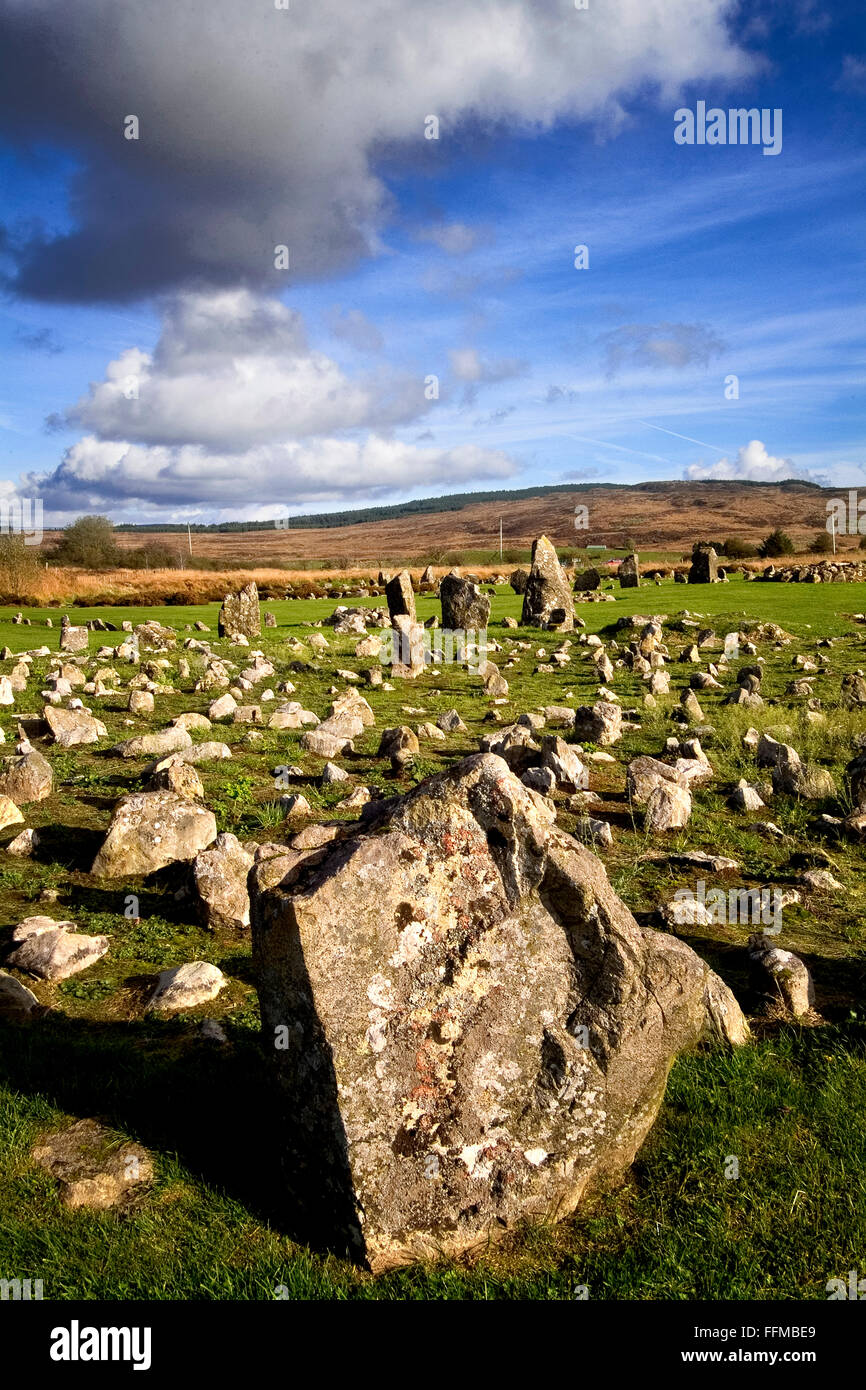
(659, 516)
(449, 502)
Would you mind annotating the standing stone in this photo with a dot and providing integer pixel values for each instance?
(518, 581)
(588, 580)
(270, 619)
(428, 578)
(628, 573)
(547, 601)
(400, 596)
(478, 1031)
(464, 607)
(705, 565)
(73, 639)
(239, 615)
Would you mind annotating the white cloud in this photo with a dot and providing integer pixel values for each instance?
(105, 474)
(234, 410)
(752, 464)
(232, 370)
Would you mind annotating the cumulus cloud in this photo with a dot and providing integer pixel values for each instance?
(660, 345)
(124, 477)
(234, 409)
(232, 370)
(752, 464)
(261, 127)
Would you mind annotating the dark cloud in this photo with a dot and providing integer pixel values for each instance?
(262, 127)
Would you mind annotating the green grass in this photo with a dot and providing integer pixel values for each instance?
(791, 1107)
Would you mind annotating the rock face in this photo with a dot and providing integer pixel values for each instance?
(705, 566)
(517, 581)
(547, 599)
(26, 778)
(239, 615)
(464, 607)
(628, 573)
(475, 1028)
(151, 829)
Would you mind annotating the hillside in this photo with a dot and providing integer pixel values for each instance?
(662, 516)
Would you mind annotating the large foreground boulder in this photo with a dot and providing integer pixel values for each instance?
(469, 1025)
(150, 830)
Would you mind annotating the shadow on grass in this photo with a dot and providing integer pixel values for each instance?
(214, 1107)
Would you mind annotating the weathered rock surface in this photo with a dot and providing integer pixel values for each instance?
(26, 778)
(476, 1029)
(600, 723)
(9, 813)
(547, 599)
(240, 615)
(783, 976)
(68, 727)
(170, 740)
(49, 950)
(220, 876)
(186, 987)
(705, 566)
(628, 572)
(151, 829)
(464, 607)
(94, 1167)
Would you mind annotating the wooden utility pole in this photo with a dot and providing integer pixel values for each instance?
(189, 537)
(500, 540)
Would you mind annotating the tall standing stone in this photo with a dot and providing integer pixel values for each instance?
(400, 596)
(547, 600)
(628, 573)
(705, 566)
(239, 615)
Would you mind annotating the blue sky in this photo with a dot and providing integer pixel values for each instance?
(147, 266)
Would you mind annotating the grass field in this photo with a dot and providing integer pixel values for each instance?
(791, 1107)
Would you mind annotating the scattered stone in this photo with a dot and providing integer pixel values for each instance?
(26, 778)
(149, 830)
(49, 950)
(94, 1166)
(186, 987)
(220, 877)
(781, 975)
